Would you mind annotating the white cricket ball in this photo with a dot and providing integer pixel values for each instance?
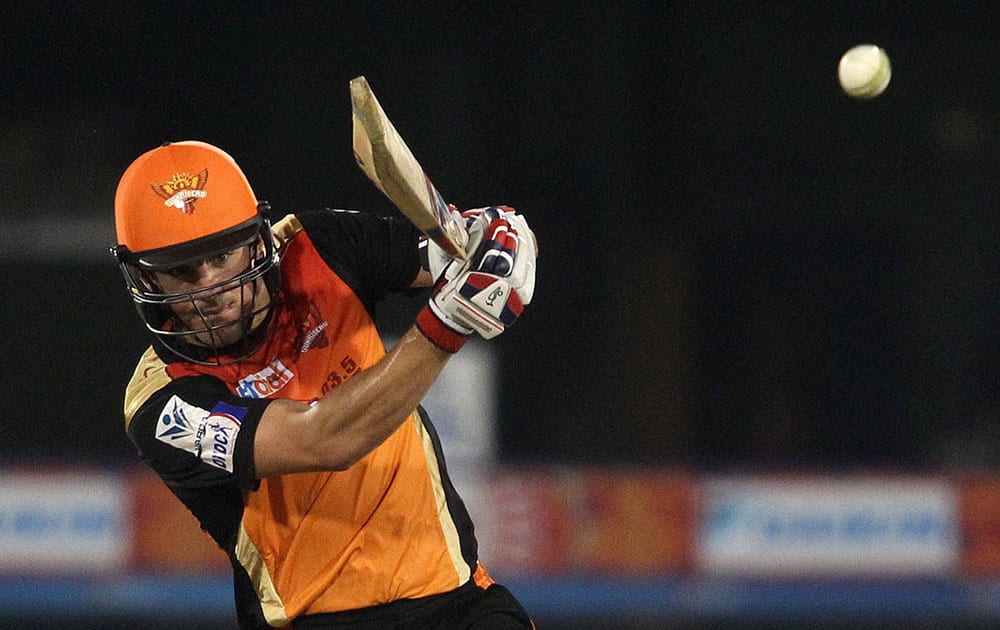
(864, 71)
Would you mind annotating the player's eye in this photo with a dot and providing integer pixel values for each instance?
(220, 259)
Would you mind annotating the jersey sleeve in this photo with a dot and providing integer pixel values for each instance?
(196, 434)
(373, 254)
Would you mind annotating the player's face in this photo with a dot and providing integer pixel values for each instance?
(214, 309)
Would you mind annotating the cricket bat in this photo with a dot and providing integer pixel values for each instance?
(388, 162)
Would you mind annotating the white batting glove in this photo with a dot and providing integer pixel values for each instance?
(488, 292)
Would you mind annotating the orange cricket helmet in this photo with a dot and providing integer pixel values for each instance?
(179, 193)
(179, 203)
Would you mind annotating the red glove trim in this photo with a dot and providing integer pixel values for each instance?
(438, 332)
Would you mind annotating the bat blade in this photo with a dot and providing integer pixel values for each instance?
(388, 162)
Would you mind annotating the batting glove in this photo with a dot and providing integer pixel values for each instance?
(487, 292)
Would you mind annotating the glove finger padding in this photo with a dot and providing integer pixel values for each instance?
(436, 258)
(500, 247)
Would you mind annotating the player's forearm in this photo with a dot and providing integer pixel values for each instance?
(352, 419)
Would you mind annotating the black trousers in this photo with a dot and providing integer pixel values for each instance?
(466, 608)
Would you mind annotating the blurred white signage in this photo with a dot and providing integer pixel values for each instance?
(856, 526)
(462, 405)
(62, 523)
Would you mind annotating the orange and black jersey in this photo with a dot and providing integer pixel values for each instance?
(391, 527)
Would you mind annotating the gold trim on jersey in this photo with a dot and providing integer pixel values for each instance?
(448, 528)
(256, 568)
(149, 377)
(285, 230)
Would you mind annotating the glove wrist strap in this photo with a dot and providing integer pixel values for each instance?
(438, 332)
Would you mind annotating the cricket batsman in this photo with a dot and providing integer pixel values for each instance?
(268, 404)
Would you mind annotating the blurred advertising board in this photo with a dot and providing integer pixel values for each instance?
(618, 522)
(979, 501)
(856, 526)
(562, 521)
(166, 536)
(62, 522)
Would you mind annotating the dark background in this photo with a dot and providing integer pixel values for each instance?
(740, 266)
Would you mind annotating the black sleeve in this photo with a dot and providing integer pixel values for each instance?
(372, 254)
(196, 434)
(199, 437)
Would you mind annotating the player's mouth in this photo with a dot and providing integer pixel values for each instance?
(218, 314)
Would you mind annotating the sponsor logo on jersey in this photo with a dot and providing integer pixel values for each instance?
(219, 444)
(183, 190)
(208, 435)
(179, 421)
(267, 382)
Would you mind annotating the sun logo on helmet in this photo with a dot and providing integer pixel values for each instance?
(183, 190)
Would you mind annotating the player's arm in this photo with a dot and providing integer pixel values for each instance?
(352, 419)
(355, 417)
